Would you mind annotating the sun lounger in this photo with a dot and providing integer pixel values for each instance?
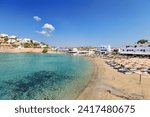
(123, 70)
(117, 67)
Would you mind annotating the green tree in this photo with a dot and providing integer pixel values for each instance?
(45, 50)
(27, 45)
(14, 45)
(36, 45)
(5, 39)
(43, 43)
(142, 41)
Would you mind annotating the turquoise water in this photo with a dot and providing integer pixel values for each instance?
(42, 76)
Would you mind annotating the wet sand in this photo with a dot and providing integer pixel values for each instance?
(109, 84)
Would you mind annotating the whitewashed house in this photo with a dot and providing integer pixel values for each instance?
(103, 49)
(62, 49)
(3, 35)
(34, 41)
(12, 39)
(136, 49)
(20, 47)
(74, 51)
(26, 40)
(43, 46)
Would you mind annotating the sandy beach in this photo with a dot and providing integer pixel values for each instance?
(22, 50)
(109, 84)
(27, 50)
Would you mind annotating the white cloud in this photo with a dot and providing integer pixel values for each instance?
(44, 32)
(37, 18)
(48, 27)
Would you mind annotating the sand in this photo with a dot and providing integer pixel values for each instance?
(22, 50)
(27, 50)
(109, 84)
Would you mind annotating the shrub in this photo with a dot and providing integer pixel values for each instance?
(44, 50)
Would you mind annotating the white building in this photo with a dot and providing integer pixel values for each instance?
(26, 40)
(136, 49)
(19, 39)
(11, 41)
(74, 51)
(103, 49)
(43, 46)
(34, 41)
(3, 35)
(63, 49)
(12, 37)
(20, 47)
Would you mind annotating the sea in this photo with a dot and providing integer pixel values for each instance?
(28, 76)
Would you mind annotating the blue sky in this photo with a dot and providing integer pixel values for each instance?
(77, 22)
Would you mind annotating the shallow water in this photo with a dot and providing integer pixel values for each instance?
(42, 76)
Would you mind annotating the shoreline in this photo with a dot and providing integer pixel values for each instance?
(27, 50)
(22, 50)
(93, 77)
(109, 84)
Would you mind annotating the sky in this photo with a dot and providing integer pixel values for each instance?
(77, 22)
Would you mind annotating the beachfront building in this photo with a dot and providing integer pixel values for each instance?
(73, 51)
(103, 49)
(81, 52)
(136, 49)
(62, 49)
(115, 50)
